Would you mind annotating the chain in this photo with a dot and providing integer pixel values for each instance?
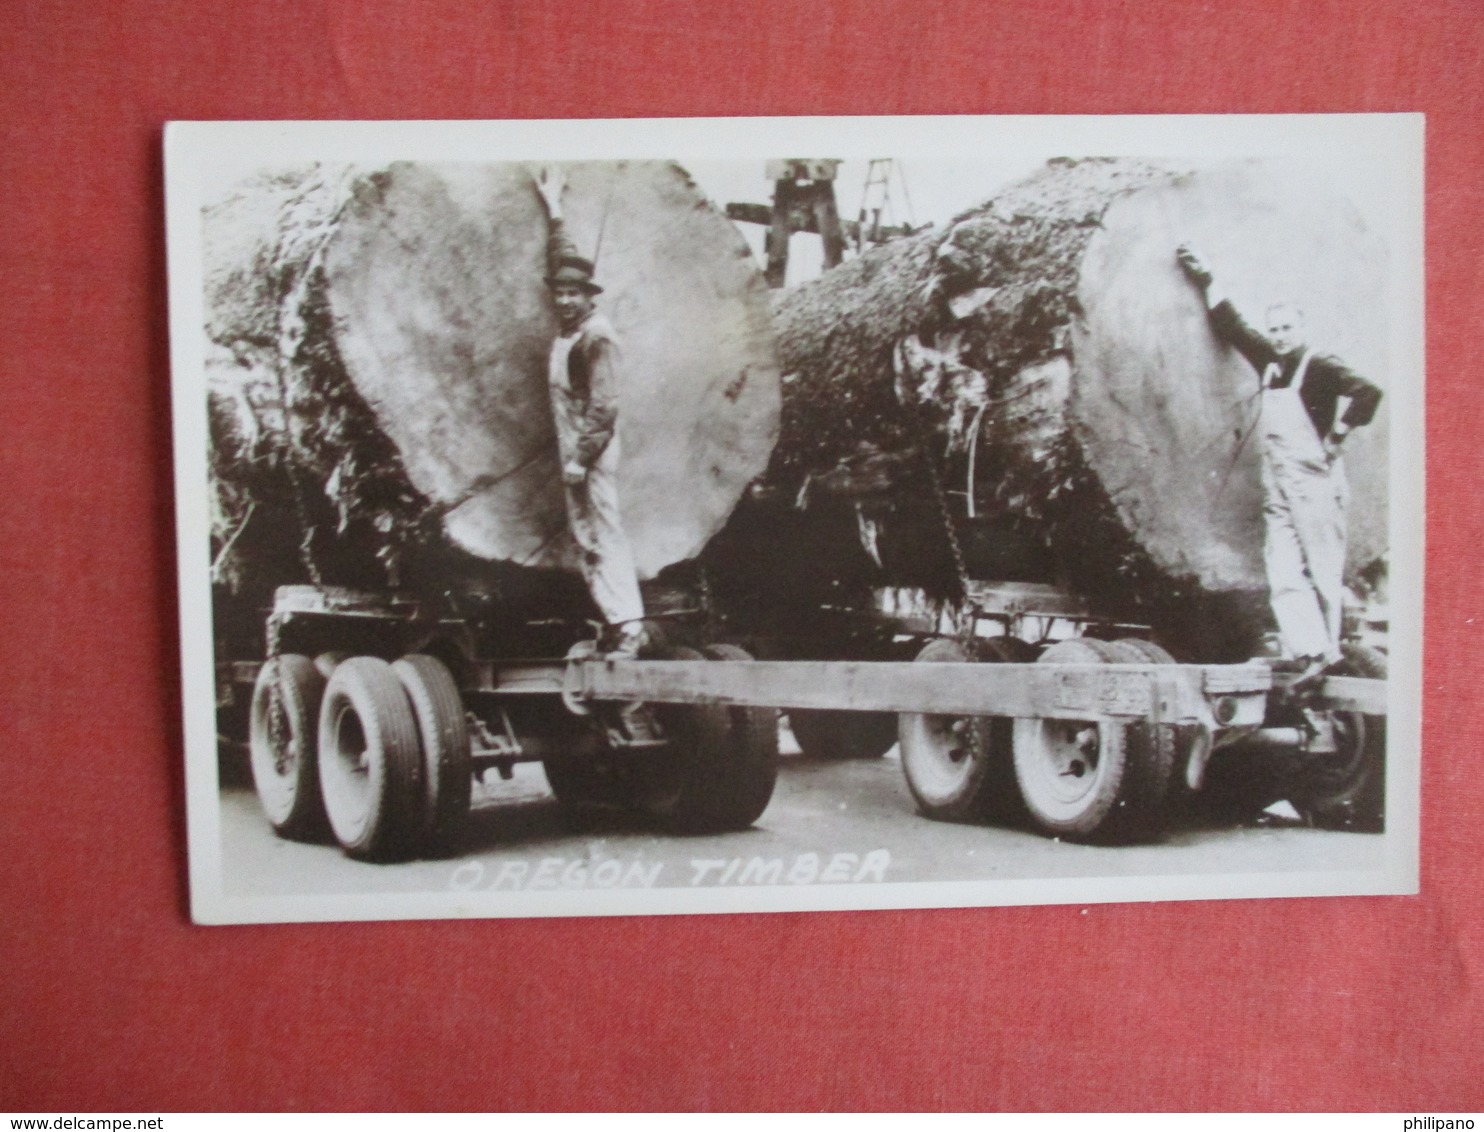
(288, 446)
(975, 735)
(306, 552)
(963, 616)
(950, 532)
(926, 443)
(708, 605)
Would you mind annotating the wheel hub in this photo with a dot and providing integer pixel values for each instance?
(1071, 753)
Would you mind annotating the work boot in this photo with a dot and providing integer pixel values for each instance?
(632, 637)
(1271, 648)
(1313, 670)
(1290, 665)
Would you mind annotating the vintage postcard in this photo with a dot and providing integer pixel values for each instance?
(641, 517)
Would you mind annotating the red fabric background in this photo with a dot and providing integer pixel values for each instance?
(110, 998)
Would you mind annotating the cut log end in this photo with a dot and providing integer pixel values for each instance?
(409, 303)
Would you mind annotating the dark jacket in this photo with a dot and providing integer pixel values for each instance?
(592, 367)
(1325, 381)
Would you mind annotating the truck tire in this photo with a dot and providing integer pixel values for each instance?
(1347, 790)
(830, 735)
(443, 732)
(1089, 780)
(327, 662)
(1165, 742)
(753, 738)
(719, 768)
(948, 760)
(1241, 783)
(1000, 797)
(285, 773)
(371, 761)
(1149, 652)
(581, 784)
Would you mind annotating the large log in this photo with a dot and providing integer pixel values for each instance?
(381, 339)
(1116, 446)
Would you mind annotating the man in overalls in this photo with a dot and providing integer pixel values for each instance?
(584, 375)
(1303, 477)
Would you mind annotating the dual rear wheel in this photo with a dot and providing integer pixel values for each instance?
(715, 772)
(959, 768)
(1080, 779)
(377, 752)
(1096, 779)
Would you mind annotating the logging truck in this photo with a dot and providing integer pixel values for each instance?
(371, 712)
(944, 424)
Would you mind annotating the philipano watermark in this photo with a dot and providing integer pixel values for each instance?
(1436, 1123)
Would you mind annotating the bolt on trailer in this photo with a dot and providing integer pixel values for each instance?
(371, 714)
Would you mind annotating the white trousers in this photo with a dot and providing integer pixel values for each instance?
(597, 527)
(1304, 501)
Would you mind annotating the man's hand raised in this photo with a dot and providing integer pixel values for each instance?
(1193, 265)
(550, 183)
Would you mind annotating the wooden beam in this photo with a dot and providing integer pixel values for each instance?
(1173, 693)
(748, 213)
(1352, 693)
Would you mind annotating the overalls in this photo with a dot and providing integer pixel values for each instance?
(1304, 511)
(607, 561)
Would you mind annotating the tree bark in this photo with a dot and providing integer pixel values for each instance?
(387, 332)
(1056, 369)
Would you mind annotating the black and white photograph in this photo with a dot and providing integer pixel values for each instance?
(726, 515)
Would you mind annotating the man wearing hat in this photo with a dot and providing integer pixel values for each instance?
(584, 375)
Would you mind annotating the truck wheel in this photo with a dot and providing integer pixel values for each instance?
(371, 761)
(721, 764)
(1166, 742)
(1347, 790)
(945, 758)
(281, 745)
(582, 783)
(1084, 779)
(827, 734)
(327, 662)
(1241, 783)
(443, 731)
(753, 739)
(1000, 798)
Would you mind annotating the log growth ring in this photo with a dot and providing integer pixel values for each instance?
(1160, 408)
(444, 323)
